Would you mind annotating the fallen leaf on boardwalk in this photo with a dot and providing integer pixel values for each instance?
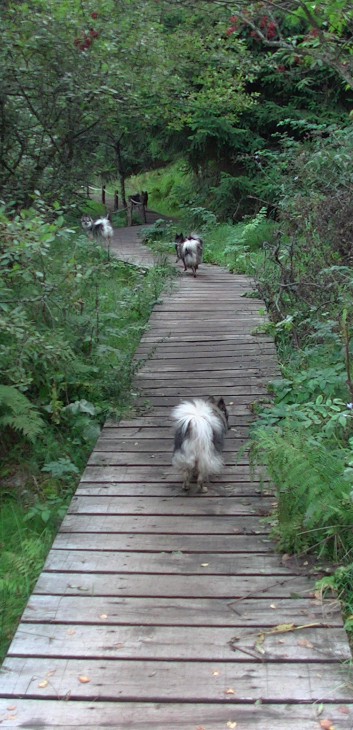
(204, 565)
(216, 674)
(230, 691)
(11, 708)
(327, 725)
(344, 710)
(306, 643)
(103, 615)
(319, 709)
(200, 727)
(273, 605)
(84, 680)
(43, 684)
(231, 725)
(71, 632)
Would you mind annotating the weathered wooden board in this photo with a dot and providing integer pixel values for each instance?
(148, 489)
(174, 563)
(256, 612)
(194, 586)
(180, 524)
(209, 544)
(157, 473)
(145, 458)
(165, 681)
(163, 443)
(318, 644)
(237, 506)
(43, 714)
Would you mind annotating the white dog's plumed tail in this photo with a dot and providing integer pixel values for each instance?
(198, 443)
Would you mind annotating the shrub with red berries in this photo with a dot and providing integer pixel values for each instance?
(84, 42)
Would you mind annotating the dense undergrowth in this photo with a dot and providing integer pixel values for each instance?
(70, 321)
(302, 266)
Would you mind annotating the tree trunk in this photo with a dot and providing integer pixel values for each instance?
(121, 173)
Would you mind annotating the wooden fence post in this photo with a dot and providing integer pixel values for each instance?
(129, 213)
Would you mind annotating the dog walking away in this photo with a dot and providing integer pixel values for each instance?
(201, 425)
(189, 250)
(100, 228)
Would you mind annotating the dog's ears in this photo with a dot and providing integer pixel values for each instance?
(222, 407)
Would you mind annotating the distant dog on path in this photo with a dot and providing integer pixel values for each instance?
(201, 425)
(100, 228)
(190, 251)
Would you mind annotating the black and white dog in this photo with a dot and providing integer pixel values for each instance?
(189, 250)
(100, 228)
(201, 425)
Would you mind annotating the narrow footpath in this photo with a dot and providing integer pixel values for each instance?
(158, 610)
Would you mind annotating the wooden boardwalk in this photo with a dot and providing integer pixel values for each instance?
(160, 611)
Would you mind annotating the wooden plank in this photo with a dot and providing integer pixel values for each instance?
(96, 561)
(240, 412)
(237, 542)
(179, 643)
(139, 489)
(171, 399)
(116, 505)
(161, 681)
(187, 389)
(194, 586)
(175, 524)
(213, 372)
(163, 442)
(147, 458)
(144, 424)
(126, 610)
(164, 474)
(44, 714)
(120, 431)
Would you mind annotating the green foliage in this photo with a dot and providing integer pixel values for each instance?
(315, 508)
(340, 584)
(18, 413)
(70, 320)
(25, 544)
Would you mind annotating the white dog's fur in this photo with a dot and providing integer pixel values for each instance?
(190, 251)
(198, 442)
(102, 227)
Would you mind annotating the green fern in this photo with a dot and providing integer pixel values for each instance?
(314, 505)
(18, 413)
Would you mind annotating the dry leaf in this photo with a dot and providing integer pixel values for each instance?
(344, 710)
(327, 725)
(103, 615)
(231, 725)
(306, 643)
(273, 605)
(11, 708)
(216, 674)
(204, 565)
(44, 683)
(230, 691)
(71, 632)
(84, 680)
